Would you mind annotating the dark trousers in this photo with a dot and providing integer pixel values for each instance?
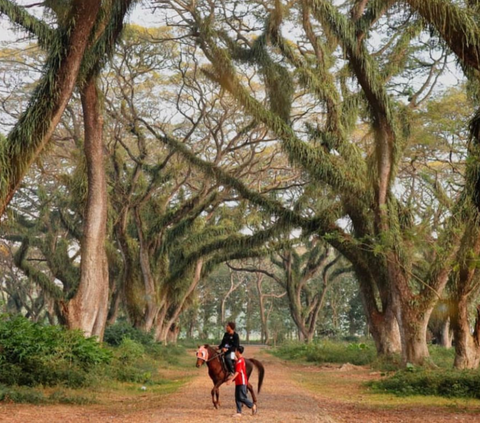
(241, 397)
(229, 363)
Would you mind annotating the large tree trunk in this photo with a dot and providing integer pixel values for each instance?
(298, 320)
(165, 325)
(467, 345)
(88, 309)
(305, 332)
(152, 302)
(413, 332)
(382, 324)
(385, 332)
(310, 335)
(413, 314)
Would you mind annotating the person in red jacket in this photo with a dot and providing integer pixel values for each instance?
(241, 381)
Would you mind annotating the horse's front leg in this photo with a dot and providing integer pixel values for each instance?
(213, 397)
(252, 392)
(217, 392)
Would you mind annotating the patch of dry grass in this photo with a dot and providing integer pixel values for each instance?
(350, 387)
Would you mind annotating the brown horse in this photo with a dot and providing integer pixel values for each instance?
(218, 374)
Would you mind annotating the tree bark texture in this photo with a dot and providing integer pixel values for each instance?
(467, 344)
(89, 307)
(165, 324)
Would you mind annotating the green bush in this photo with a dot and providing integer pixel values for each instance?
(441, 356)
(133, 362)
(129, 351)
(32, 354)
(171, 354)
(446, 383)
(328, 352)
(116, 333)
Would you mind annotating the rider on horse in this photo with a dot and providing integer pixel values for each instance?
(229, 345)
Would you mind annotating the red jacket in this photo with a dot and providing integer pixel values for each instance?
(240, 368)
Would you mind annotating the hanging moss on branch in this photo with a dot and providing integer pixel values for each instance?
(78, 47)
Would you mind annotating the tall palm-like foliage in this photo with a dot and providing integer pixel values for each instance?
(400, 284)
(84, 39)
(458, 26)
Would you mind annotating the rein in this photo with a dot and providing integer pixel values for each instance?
(215, 356)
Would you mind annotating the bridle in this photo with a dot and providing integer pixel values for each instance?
(203, 350)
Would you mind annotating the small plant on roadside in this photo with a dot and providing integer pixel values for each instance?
(446, 383)
(328, 352)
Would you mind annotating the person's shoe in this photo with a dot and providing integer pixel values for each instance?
(254, 409)
(237, 415)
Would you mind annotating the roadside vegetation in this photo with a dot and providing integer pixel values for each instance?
(439, 379)
(328, 351)
(43, 364)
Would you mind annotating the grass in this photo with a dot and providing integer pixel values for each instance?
(449, 383)
(378, 383)
(352, 387)
(134, 372)
(26, 394)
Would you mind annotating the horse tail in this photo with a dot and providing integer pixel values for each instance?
(261, 372)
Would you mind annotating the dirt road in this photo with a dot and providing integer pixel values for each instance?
(282, 399)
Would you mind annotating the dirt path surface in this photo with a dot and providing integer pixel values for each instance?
(282, 399)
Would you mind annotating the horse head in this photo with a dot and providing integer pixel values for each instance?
(202, 355)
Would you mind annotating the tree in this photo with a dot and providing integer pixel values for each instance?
(173, 224)
(305, 274)
(63, 65)
(92, 40)
(402, 289)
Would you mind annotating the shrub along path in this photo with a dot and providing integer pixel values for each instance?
(291, 392)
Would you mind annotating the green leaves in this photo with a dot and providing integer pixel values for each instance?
(33, 354)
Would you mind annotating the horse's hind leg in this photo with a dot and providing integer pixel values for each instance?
(250, 388)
